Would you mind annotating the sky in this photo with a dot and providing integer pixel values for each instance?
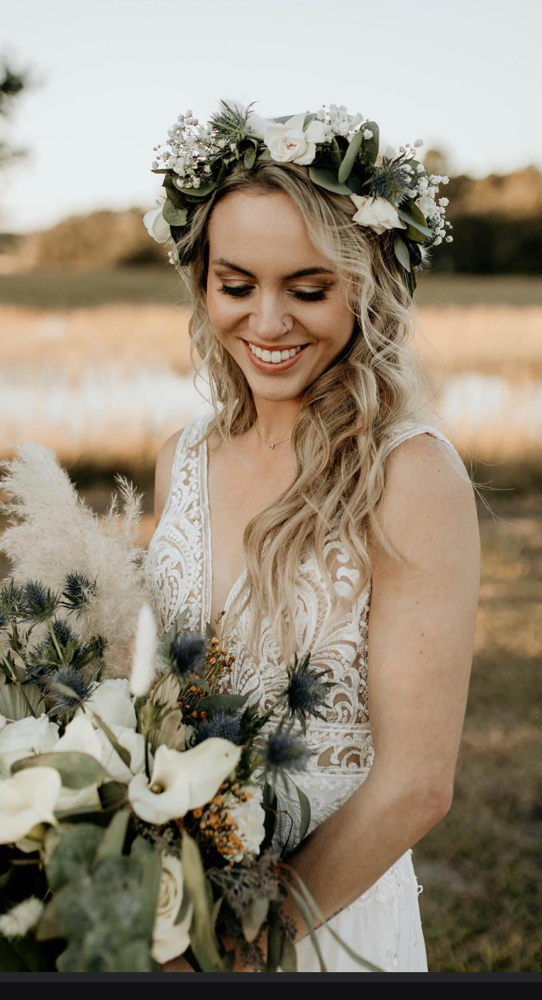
(112, 76)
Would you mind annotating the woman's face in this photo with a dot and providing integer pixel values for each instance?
(257, 294)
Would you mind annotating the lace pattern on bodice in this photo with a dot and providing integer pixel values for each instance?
(178, 572)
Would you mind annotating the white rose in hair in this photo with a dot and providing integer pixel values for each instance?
(289, 142)
(156, 225)
(377, 213)
(168, 938)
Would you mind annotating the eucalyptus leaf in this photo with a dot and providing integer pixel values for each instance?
(113, 840)
(74, 855)
(401, 252)
(174, 216)
(417, 225)
(252, 920)
(111, 794)
(77, 770)
(349, 159)
(327, 180)
(200, 192)
(230, 703)
(265, 155)
(249, 158)
(151, 862)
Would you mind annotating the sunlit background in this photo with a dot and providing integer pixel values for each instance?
(94, 345)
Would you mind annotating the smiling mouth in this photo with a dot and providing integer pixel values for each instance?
(274, 356)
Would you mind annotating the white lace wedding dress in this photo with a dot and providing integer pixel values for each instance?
(383, 925)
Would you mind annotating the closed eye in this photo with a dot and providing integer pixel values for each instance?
(240, 291)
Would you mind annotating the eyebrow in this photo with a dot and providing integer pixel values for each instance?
(296, 274)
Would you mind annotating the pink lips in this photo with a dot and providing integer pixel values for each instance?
(268, 366)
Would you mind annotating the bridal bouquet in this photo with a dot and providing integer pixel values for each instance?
(137, 799)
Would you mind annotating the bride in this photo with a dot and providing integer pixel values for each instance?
(315, 510)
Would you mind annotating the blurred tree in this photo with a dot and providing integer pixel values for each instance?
(437, 161)
(13, 83)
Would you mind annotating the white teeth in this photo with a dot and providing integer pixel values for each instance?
(274, 356)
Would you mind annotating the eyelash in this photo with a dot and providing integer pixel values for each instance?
(240, 291)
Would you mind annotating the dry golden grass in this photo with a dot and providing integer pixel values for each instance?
(490, 339)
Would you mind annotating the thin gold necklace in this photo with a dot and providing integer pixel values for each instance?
(268, 442)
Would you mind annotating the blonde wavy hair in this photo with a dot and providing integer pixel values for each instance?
(347, 415)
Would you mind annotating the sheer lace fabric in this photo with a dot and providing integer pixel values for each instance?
(385, 920)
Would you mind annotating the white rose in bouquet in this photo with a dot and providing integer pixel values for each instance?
(377, 213)
(249, 819)
(170, 939)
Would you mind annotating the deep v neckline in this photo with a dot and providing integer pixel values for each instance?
(208, 537)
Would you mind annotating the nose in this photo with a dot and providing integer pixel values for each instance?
(267, 321)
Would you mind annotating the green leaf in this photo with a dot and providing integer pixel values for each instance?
(202, 935)
(250, 157)
(265, 155)
(222, 703)
(327, 180)
(123, 753)
(349, 159)
(201, 192)
(415, 220)
(269, 803)
(401, 252)
(113, 839)
(274, 941)
(174, 216)
(369, 150)
(288, 955)
(305, 811)
(151, 863)
(253, 920)
(318, 913)
(312, 931)
(111, 794)
(77, 770)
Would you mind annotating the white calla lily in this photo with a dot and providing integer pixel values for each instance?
(182, 781)
(111, 701)
(26, 799)
(25, 738)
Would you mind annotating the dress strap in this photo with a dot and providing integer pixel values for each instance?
(409, 428)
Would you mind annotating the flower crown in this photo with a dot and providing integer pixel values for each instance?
(390, 189)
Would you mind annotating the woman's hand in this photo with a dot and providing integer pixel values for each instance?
(180, 964)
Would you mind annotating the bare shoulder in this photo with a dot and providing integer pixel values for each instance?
(428, 495)
(162, 476)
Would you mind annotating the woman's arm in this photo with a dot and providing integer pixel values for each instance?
(421, 638)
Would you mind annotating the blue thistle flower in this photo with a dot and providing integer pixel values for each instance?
(306, 690)
(70, 679)
(227, 727)
(77, 589)
(284, 751)
(186, 652)
(35, 599)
